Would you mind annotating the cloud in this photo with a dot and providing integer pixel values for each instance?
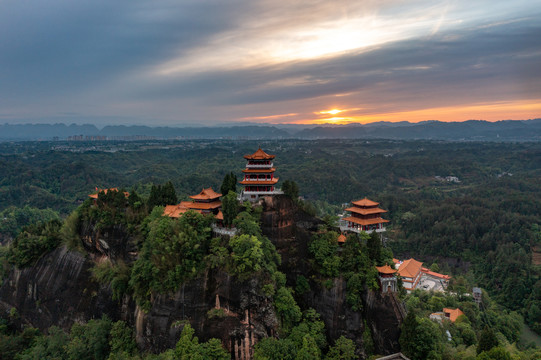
(213, 61)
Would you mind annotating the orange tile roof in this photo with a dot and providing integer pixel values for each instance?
(259, 170)
(365, 211)
(365, 222)
(396, 261)
(435, 274)
(410, 268)
(220, 215)
(452, 314)
(259, 155)
(259, 182)
(174, 211)
(200, 205)
(95, 195)
(386, 269)
(365, 202)
(206, 194)
(341, 239)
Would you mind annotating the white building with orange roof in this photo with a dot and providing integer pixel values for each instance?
(365, 215)
(410, 271)
(259, 179)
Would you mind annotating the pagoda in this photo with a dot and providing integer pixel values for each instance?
(259, 179)
(365, 216)
(206, 202)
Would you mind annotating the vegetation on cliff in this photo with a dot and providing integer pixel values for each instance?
(482, 227)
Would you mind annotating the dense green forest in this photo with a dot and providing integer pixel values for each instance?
(482, 225)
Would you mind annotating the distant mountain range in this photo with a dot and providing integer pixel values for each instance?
(505, 130)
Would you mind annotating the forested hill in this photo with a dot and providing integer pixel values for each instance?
(510, 130)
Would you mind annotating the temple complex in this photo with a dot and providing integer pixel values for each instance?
(206, 202)
(259, 179)
(365, 216)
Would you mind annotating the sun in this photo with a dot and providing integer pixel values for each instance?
(332, 112)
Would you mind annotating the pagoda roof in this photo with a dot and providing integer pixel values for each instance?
(259, 155)
(105, 191)
(365, 202)
(259, 182)
(206, 194)
(365, 211)
(453, 313)
(269, 170)
(365, 222)
(341, 239)
(386, 269)
(174, 211)
(200, 205)
(410, 268)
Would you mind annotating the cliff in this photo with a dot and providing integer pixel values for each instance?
(290, 229)
(59, 290)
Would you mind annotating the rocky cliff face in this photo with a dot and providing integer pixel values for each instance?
(290, 230)
(59, 290)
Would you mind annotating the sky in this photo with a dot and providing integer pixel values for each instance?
(204, 62)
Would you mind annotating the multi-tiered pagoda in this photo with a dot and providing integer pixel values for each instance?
(259, 179)
(365, 216)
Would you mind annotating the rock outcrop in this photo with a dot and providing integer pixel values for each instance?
(59, 290)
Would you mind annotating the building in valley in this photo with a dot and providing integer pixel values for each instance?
(365, 215)
(259, 179)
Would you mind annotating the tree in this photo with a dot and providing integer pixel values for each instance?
(229, 208)
(286, 307)
(343, 349)
(309, 349)
(419, 338)
(487, 340)
(247, 255)
(374, 248)
(229, 184)
(189, 348)
(291, 189)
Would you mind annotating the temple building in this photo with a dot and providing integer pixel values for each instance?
(206, 202)
(410, 271)
(365, 216)
(259, 179)
(387, 278)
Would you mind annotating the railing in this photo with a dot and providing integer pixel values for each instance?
(262, 166)
(260, 179)
(344, 226)
(224, 231)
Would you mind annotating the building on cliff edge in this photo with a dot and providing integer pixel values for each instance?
(259, 179)
(365, 215)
